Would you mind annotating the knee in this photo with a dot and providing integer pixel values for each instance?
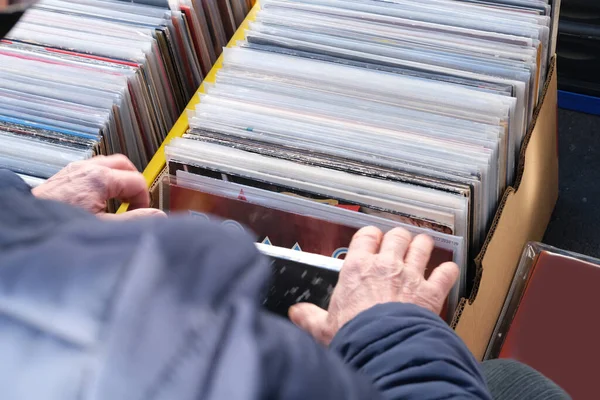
(506, 368)
(510, 379)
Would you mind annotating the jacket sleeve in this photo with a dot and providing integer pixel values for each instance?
(410, 353)
(295, 367)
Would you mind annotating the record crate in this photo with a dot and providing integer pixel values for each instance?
(522, 216)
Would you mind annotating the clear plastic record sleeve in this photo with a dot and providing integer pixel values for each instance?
(343, 143)
(411, 201)
(428, 61)
(286, 221)
(309, 157)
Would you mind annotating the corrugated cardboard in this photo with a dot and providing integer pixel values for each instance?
(523, 214)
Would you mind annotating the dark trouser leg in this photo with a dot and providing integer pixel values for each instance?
(511, 380)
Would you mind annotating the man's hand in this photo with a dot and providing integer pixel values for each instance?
(89, 184)
(379, 269)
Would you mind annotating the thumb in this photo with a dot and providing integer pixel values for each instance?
(442, 278)
(439, 285)
(311, 319)
(134, 214)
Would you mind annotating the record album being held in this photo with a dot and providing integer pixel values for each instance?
(330, 115)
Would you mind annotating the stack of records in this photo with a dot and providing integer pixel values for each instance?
(367, 112)
(86, 77)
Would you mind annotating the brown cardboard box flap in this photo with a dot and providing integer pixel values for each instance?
(155, 189)
(522, 216)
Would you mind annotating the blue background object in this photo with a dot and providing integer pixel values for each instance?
(578, 102)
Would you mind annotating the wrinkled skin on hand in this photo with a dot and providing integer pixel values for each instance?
(379, 269)
(91, 183)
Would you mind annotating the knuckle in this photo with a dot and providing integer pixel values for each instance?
(433, 299)
(355, 265)
(407, 293)
(122, 158)
(445, 280)
(369, 232)
(385, 265)
(96, 176)
(385, 261)
(74, 166)
(139, 180)
(411, 283)
(419, 255)
(400, 234)
(351, 278)
(425, 239)
(94, 171)
(358, 260)
(424, 243)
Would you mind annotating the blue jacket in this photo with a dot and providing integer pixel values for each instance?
(170, 309)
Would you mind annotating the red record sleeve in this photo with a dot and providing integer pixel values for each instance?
(555, 329)
(277, 227)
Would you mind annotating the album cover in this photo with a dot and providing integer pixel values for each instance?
(273, 226)
(294, 281)
(173, 166)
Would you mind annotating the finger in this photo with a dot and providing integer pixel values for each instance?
(115, 161)
(135, 214)
(311, 319)
(366, 240)
(443, 278)
(127, 186)
(395, 244)
(419, 252)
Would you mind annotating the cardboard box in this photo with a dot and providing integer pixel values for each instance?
(522, 216)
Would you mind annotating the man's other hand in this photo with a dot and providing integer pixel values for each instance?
(89, 184)
(379, 269)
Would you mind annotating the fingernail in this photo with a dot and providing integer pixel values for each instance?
(160, 213)
(293, 312)
(153, 212)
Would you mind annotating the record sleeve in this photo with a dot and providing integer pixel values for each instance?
(271, 226)
(362, 207)
(545, 322)
(298, 277)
